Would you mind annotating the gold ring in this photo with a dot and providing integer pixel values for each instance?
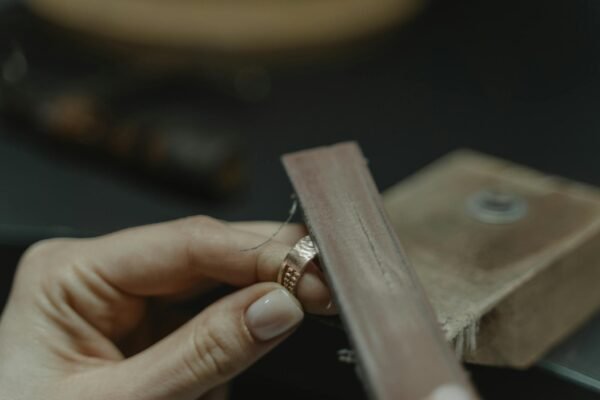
(295, 262)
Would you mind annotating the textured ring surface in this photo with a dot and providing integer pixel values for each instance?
(295, 262)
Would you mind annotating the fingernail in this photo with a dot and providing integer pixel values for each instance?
(273, 314)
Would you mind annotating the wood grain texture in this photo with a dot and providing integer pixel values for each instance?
(504, 294)
(401, 352)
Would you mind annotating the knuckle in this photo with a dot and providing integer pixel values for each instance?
(45, 250)
(211, 232)
(203, 222)
(214, 354)
(43, 265)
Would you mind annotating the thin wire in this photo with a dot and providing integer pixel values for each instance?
(291, 214)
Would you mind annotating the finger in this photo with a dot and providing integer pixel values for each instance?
(174, 257)
(169, 257)
(216, 345)
(270, 230)
(288, 233)
(201, 288)
(312, 291)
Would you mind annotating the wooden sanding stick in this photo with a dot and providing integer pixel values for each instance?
(401, 353)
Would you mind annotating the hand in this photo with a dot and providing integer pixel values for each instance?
(84, 315)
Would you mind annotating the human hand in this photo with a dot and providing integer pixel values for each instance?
(83, 314)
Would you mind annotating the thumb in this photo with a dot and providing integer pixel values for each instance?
(216, 345)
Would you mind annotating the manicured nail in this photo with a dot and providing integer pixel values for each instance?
(273, 314)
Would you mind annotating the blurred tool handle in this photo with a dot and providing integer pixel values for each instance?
(222, 29)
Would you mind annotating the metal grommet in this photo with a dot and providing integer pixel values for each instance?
(496, 206)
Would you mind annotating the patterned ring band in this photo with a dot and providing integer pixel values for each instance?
(295, 262)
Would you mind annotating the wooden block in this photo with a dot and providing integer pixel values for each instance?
(400, 349)
(504, 293)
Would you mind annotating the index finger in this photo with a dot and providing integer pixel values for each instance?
(171, 257)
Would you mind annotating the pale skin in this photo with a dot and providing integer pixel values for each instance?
(97, 318)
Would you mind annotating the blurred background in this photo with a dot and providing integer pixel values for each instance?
(121, 113)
